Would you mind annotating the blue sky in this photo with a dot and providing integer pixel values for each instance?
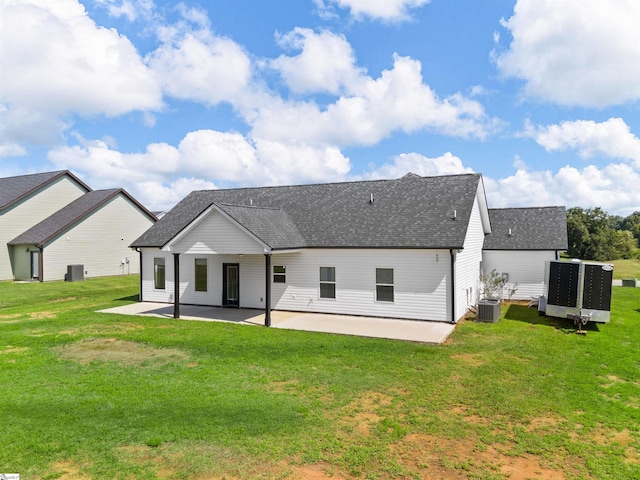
(163, 97)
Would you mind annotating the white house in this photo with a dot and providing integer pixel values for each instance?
(521, 241)
(407, 248)
(51, 220)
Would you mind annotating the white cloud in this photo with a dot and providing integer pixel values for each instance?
(447, 164)
(11, 150)
(374, 108)
(385, 10)
(584, 53)
(131, 9)
(613, 187)
(326, 63)
(194, 64)
(62, 63)
(228, 158)
(612, 139)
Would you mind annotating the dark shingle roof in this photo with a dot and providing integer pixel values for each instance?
(542, 228)
(68, 216)
(13, 189)
(410, 212)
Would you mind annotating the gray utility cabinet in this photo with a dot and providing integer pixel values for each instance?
(579, 288)
(75, 273)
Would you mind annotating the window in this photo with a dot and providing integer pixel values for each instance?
(158, 273)
(384, 284)
(327, 282)
(279, 274)
(201, 274)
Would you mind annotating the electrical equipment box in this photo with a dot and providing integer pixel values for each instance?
(75, 273)
(578, 289)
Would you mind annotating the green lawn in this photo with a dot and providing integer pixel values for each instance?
(102, 396)
(626, 268)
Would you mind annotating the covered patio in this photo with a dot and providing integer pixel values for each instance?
(408, 330)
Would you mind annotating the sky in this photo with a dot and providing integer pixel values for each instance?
(542, 97)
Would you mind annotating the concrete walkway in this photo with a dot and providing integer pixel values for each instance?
(410, 330)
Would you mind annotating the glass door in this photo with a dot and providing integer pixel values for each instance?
(231, 285)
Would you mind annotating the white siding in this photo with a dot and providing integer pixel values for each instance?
(421, 281)
(252, 275)
(215, 234)
(100, 242)
(467, 265)
(33, 210)
(525, 269)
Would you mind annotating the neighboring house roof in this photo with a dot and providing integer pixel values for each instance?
(410, 212)
(14, 189)
(541, 228)
(70, 215)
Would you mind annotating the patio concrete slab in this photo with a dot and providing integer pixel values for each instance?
(396, 329)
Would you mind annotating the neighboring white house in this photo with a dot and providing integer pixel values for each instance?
(522, 240)
(407, 248)
(51, 220)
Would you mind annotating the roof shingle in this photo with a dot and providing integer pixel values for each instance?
(538, 228)
(12, 189)
(410, 212)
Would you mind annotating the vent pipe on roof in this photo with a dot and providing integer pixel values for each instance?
(509, 232)
(371, 198)
(455, 214)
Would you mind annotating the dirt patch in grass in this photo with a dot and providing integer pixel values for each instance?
(67, 470)
(361, 414)
(9, 349)
(42, 315)
(10, 318)
(457, 459)
(288, 386)
(470, 359)
(543, 423)
(113, 350)
(318, 471)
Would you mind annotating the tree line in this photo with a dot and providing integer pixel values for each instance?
(595, 235)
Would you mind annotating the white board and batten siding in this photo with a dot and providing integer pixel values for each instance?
(215, 234)
(100, 242)
(467, 264)
(219, 241)
(525, 269)
(31, 211)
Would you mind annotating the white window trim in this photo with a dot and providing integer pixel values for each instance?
(393, 285)
(334, 283)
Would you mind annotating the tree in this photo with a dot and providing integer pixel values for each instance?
(595, 235)
(632, 224)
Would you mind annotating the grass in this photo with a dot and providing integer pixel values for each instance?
(626, 268)
(88, 395)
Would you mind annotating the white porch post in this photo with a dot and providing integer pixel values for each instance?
(176, 285)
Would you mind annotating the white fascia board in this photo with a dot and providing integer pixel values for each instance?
(481, 195)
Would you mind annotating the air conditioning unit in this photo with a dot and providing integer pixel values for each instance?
(75, 273)
(488, 310)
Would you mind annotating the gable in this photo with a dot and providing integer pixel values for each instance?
(213, 233)
(16, 189)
